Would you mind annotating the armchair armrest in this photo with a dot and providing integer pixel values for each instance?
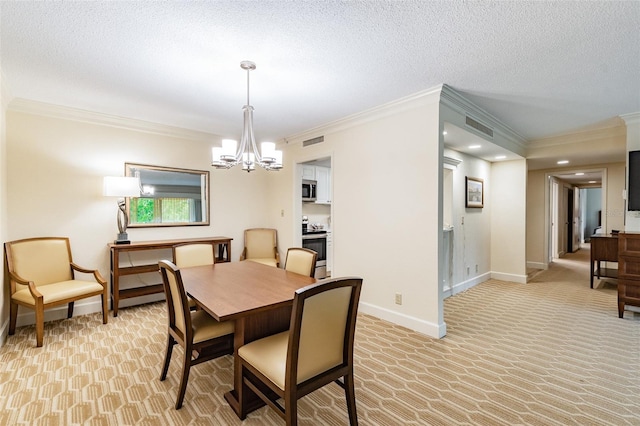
(95, 272)
(15, 278)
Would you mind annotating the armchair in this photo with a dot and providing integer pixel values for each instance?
(42, 275)
(261, 245)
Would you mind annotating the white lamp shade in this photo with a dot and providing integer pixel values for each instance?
(277, 163)
(268, 151)
(228, 149)
(117, 186)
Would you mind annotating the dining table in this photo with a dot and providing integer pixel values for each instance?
(259, 298)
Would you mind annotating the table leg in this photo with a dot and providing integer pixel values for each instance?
(248, 329)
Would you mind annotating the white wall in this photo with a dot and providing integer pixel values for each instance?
(54, 180)
(508, 220)
(385, 206)
(4, 294)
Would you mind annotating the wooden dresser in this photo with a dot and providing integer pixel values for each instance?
(628, 270)
(223, 254)
(604, 248)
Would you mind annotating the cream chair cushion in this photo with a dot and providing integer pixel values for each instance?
(269, 262)
(55, 292)
(205, 327)
(321, 347)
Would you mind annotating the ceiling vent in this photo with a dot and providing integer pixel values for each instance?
(313, 141)
(479, 127)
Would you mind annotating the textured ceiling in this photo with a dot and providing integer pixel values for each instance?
(544, 68)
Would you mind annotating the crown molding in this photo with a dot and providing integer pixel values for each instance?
(632, 118)
(462, 105)
(425, 97)
(73, 114)
(611, 129)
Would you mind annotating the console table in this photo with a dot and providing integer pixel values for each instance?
(222, 250)
(604, 247)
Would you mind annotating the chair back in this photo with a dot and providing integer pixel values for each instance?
(177, 304)
(41, 260)
(322, 328)
(196, 254)
(260, 243)
(301, 261)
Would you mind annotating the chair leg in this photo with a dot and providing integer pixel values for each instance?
(290, 408)
(105, 309)
(39, 325)
(13, 317)
(186, 367)
(350, 393)
(167, 357)
(70, 310)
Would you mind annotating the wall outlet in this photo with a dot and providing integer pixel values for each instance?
(282, 213)
(476, 268)
(398, 298)
(467, 270)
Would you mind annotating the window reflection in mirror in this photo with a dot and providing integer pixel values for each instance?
(168, 196)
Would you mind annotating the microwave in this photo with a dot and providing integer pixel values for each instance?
(309, 190)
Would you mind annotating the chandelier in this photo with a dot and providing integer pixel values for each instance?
(247, 154)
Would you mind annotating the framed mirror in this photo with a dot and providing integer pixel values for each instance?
(168, 196)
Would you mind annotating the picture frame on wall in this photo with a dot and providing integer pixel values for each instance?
(474, 190)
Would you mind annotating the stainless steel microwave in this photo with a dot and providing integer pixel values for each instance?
(309, 190)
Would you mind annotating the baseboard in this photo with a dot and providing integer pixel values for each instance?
(514, 278)
(537, 265)
(4, 332)
(415, 324)
(465, 285)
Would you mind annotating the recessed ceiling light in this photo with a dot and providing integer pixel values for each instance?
(579, 174)
(444, 132)
(500, 157)
(592, 181)
(475, 146)
(563, 162)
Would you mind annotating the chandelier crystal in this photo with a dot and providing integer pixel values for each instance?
(247, 154)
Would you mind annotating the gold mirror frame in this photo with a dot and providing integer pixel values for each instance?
(169, 197)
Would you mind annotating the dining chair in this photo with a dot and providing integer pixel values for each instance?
(42, 275)
(193, 254)
(301, 261)
(315, 351)
(202, 337)
(261, 245)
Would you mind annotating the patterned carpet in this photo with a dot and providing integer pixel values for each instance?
(551, 352)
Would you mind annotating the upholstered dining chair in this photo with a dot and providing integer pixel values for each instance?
(193, 254)
(202, 337)
(261, 245)
(315, 351)
(301, 261)
(42, 275)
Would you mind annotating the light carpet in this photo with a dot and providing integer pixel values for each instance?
(550, 352)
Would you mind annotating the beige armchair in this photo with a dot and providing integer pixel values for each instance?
(317, 350)
(261, 245)
(301, 261)
(41, 275)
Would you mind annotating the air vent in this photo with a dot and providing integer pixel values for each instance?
(313, 141)
(479, 127)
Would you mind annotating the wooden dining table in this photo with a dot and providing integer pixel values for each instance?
(257, 297)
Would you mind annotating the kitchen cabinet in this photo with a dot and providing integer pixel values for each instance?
(323, 190)
(308, 172)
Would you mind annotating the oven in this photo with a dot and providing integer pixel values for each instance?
(317, 241)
